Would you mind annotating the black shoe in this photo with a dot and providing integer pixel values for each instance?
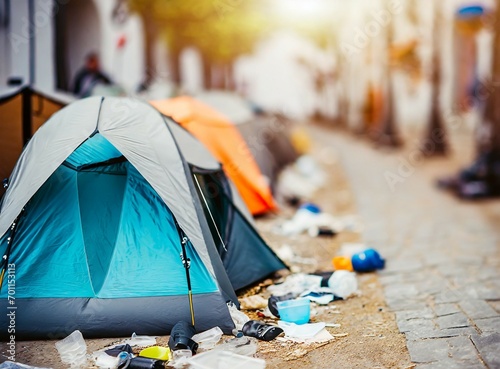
(180, 337)
(261, 330)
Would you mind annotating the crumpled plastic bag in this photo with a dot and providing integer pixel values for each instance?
(296, 284)
(254, 302)
(142, 341)
(104, 361)
(238, 317)
(208, 339)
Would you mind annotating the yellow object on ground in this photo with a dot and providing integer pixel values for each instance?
(156, 352)
(342, 263)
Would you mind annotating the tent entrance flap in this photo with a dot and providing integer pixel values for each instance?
(101, 199)
(89, 236)
(245, 255)
(218, 211)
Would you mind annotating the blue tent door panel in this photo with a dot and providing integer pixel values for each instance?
(102, 232)
(100, 198)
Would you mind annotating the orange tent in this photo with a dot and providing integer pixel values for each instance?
(225, 142)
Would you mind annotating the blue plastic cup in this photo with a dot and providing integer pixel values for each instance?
(295, 311)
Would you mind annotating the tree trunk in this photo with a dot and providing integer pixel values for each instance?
(229, 76)
(343, 112)
(388, 134)
(150, 33)
(435, 142)
(218, 77)
(207, 72)
(174, 51)
(492, 108)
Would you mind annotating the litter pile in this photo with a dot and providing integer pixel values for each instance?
(221, 254)
(280, 314)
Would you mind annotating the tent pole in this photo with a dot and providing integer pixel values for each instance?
(187, 264)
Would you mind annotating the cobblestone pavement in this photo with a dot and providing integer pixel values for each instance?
(442, 277)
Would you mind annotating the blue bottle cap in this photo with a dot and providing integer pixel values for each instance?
(313, 208)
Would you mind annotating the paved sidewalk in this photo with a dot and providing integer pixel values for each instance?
(442, 277)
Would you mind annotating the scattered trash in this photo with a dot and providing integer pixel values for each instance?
(293, 185)
(343, 283)
(143, 363)
(310, 218)
(208, 339)
(296, 284)
(302, 179)
(239, 345)
(73, 350)
(115, 351)
(178, 354)
(180, 358)
(322, 231)
(306, 216)
(303, 331)
(156, 352)
(295, 311)
(218, 359)
(273, 303)
(254, 302)
(141, 341)
(181, 337)
(261, 330)
(105, 361)
(239, 318)
(342, 263)
(365, 260)
(319, 297)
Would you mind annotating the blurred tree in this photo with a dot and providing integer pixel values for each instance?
(435, 142)
(220, 29)
(492, 108)
(388, 133)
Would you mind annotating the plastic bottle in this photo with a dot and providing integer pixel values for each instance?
(73, 350)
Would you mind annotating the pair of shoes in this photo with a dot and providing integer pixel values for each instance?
(261, 330)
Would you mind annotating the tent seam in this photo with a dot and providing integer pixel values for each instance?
(83, 238)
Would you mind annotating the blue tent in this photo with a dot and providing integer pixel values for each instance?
(92, 225)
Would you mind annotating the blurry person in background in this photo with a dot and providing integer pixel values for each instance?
(89, 76)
